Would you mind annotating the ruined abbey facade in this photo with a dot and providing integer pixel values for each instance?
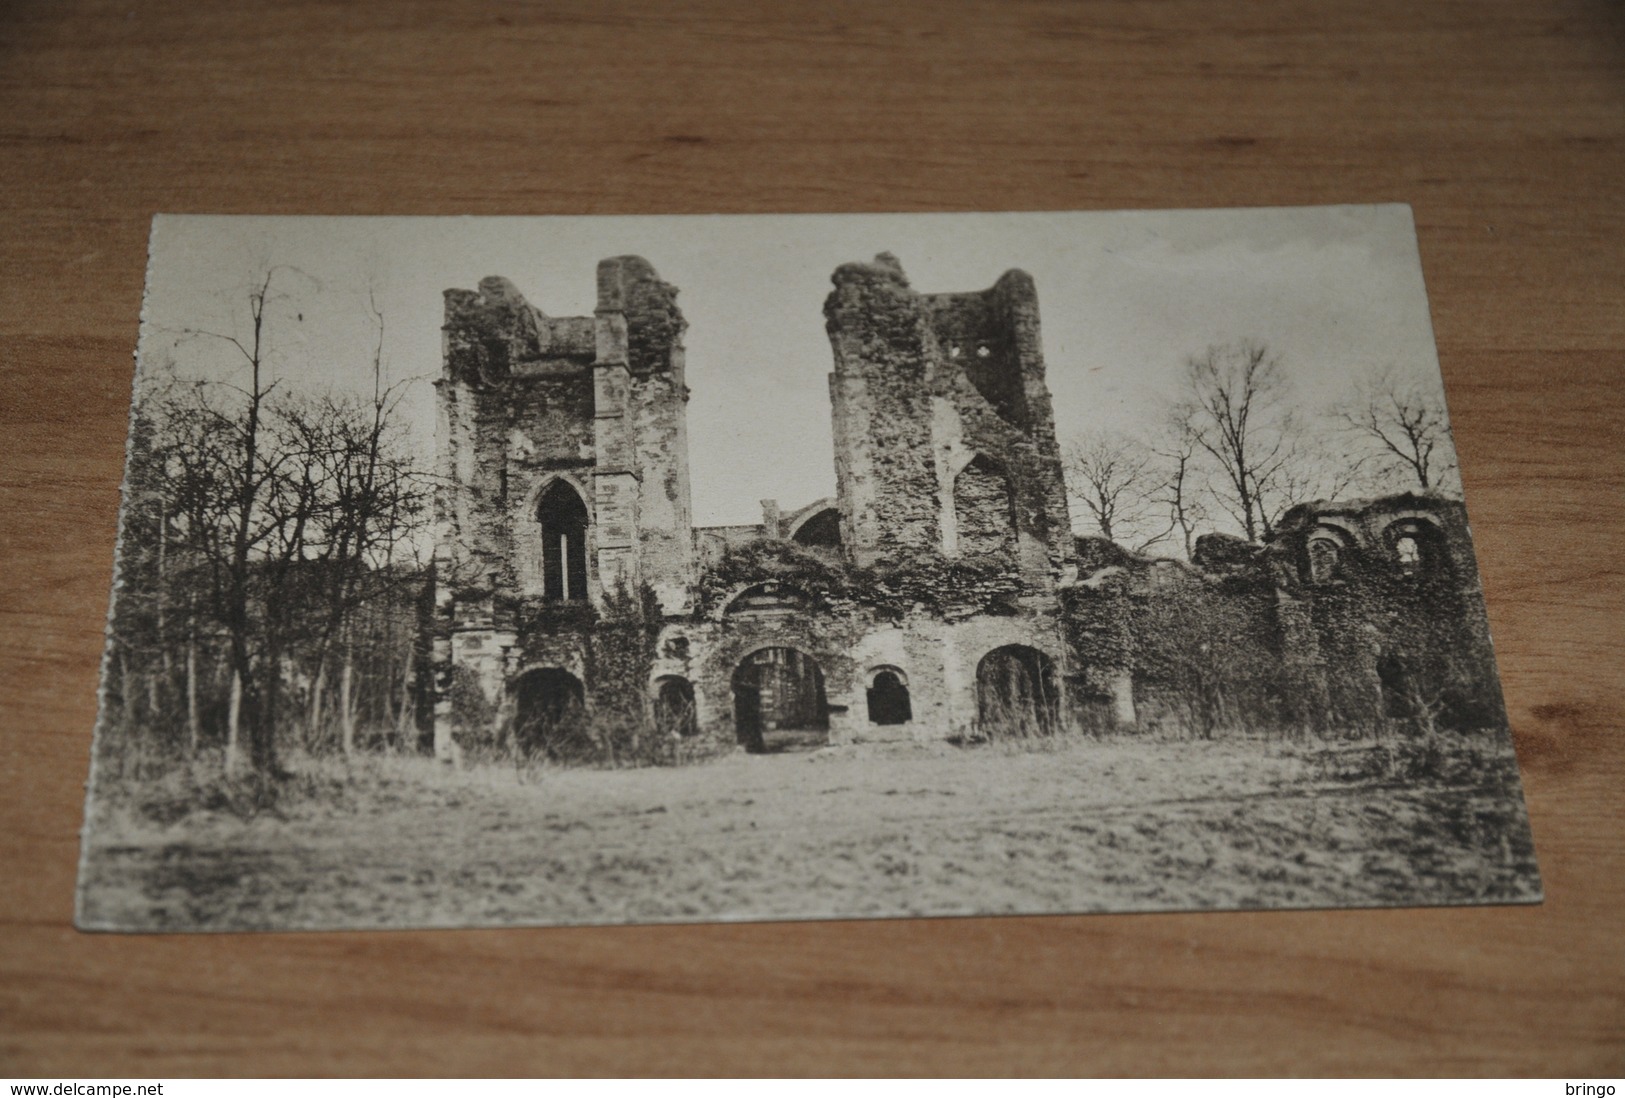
(940, 593)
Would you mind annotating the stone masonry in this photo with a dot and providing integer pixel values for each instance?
(940, 592)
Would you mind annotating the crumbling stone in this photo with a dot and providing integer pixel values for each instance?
(947, 542)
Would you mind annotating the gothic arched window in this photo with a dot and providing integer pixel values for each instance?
(563, 518)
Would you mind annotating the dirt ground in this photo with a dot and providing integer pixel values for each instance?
(866, 831)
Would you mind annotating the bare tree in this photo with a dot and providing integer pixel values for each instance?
(1114, 479)
(270, 525)
(1262, 456)
(1235, 407)
(1179, 491)
(376, 502)
(248, 475)
(1403, 423)
(197, 449)
(1320, 467)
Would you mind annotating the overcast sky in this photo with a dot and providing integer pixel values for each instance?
(1125, 298)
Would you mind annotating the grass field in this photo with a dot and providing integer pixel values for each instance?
(865, 831)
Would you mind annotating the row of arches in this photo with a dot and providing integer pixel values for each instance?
(1413, 546)
(549, 710)
(780, 703)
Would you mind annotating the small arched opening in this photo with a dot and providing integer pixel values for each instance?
(1409, 553)
(779, 701)
(1328, 555)
(821, 530)
(1416, 548)
(674, 706)
(562, 514)
(984, 509)
(1016, 693)
(1325, 560)
(888, 697)
(549, 714)
(1394, 679)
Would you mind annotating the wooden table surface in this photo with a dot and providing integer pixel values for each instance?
(1502, 123)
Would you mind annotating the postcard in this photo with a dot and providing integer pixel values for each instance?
(585, 570)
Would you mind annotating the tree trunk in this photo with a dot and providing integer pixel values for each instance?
(263, 707)
(161, 588)
(234, 755)
(346, 705)
(403, 719)
(314, 735)
(191, 697)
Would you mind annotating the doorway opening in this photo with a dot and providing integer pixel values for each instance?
(550, 718)
(674, 706)
(1016, 693)
(779, 702)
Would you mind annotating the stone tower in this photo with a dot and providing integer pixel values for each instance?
(563, 461)
(944, 434)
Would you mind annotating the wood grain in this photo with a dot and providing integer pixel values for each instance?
(1502, 123)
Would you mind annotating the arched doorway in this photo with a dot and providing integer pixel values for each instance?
(888, 698)
(674, 706)
(1016, 693)
(563, 518)
(779, 702)
(549, 714)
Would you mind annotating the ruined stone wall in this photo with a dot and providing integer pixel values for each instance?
(997, 404)
(929, 625)
(645, 455)
(954, 542)
(713, 649)
(886, 476)
(944, 434)
(527, 401)
(1376, 616)
(1249, 638)
(711, 543)
(936, 659)
(516, 410)
(665, 518)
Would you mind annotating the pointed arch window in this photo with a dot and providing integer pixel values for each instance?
(563, 518)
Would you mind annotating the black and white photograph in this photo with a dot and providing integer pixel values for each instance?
(543, 571)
